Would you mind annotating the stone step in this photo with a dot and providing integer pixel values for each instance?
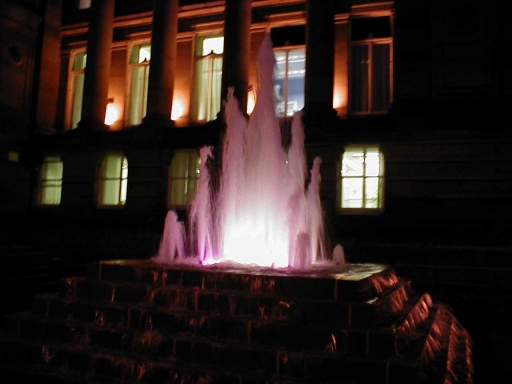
(361, 280)
(55, 319)
(197, 355)
(137, 321)
(327, 312)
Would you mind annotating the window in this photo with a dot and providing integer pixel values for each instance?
(84, 4)
(76, 79)
(289, 80)
(139, 72)
(371, 65)
(184, 177)
(208, 78)
(50, 181)
(290, 68)
(113, 180)
(362, 178)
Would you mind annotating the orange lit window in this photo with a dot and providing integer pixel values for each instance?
(76, 88)
(208, 77)
(371, 65)
(139, 75)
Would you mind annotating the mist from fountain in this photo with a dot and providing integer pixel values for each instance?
(263, 213)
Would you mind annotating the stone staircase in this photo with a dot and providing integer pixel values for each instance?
(135, 321)
(26, 270)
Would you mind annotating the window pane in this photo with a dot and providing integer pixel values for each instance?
(50, 183)
(359, 79)
(352, 193)
(184, 177)
(140, 54)
(112, 167)
(212, 44)
(372, 192)
(84, 4)
(78, 91)
(208, 88)
(296, 73)
(110, 194)
(114, 181)
(353, 162)
(138, 94)
(50, 195)
(201, 89)
(215, 88)
(372, 164)
(380, 77)
(80, 61)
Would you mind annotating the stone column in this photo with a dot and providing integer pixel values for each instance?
(97, 70)
(49, 70)
(237, 45)
(319, 81)
(163, 62)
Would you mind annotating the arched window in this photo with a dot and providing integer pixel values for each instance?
(113, 180)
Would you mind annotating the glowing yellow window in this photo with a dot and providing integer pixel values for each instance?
(184, 178)
(362, 178)
(50, 181)
(113, 180)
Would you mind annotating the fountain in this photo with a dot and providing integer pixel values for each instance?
(249, 295)
(264, 214)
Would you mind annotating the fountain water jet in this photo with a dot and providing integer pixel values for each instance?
(264, 215)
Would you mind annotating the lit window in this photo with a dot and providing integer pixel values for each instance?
(362, 178)
(208, 78)
(139, 74)
(289, 80)
(113, 180)
(76, 81)
(371, 65)
(84, 4)
(184, 178)
(50, 181)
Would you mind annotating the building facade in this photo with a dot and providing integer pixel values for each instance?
(105, 104)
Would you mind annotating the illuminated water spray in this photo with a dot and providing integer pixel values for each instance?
(263, 213)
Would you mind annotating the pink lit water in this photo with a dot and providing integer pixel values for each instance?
(266, 214)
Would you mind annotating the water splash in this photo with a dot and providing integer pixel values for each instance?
(173, 239)
(263, 212)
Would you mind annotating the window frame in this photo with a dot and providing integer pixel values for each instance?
(370, 43)
(186, 178)
(287, 49)
(122, 179)
(41, 180)
(210, 112)
(381, 177)
(131, 66)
